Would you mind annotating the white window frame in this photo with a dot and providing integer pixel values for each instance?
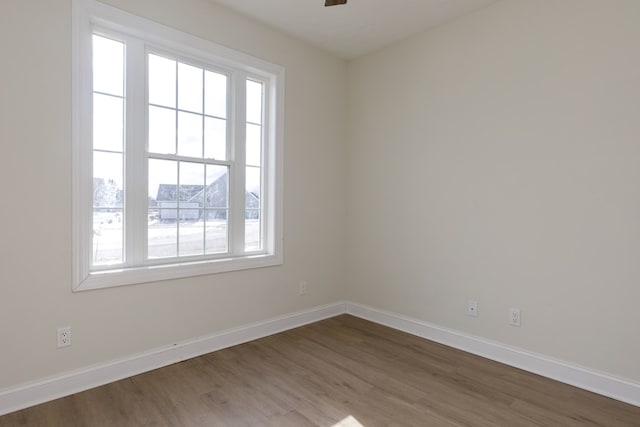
(89, 15)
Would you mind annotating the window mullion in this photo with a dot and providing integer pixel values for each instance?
(266, 197)
(237, 184)
(135, 160)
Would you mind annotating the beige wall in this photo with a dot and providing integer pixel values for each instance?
(497, 158)
(35, 253)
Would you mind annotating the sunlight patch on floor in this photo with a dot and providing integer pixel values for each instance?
(350, 421)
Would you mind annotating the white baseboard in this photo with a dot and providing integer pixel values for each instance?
(27, 395)
(51, 388)
(597, 382)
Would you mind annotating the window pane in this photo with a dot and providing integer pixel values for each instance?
(108, 66)
(215, 138)
(191, 185)
(189, 134)
(252, 231)
(108, 122)
(162, 81)
(215, 95)
(254, 102)
(217, 236)
(189, 88)
(252, 238)
(252, 178)
(162, 233)
(107, 180)
(107, 236)
(162, 130)
(163, 185)
(254, 145)
(217, 190)
(191, 230)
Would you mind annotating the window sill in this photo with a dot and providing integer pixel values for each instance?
(154, 273)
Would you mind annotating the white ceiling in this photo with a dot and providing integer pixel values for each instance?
(360, 26)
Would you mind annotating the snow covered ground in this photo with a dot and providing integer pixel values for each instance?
(168, 239)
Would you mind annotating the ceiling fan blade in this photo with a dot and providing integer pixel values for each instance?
(334, 2)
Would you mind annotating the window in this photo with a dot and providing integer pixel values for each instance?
(177, 153)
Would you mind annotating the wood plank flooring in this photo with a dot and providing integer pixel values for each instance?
(342, 372)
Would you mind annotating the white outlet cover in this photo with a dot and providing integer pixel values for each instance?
(64, 337)
(515, 316)
(472, 308)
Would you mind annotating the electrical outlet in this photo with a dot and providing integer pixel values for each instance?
(514, 317)
(64, 337)
(302, 288)
(472, 308)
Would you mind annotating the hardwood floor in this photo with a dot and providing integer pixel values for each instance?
(342, 371)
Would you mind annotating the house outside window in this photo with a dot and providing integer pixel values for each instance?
(177, 153)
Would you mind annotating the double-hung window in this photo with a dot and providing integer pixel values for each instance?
(177, 153)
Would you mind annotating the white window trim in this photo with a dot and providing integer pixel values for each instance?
(90, 13)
